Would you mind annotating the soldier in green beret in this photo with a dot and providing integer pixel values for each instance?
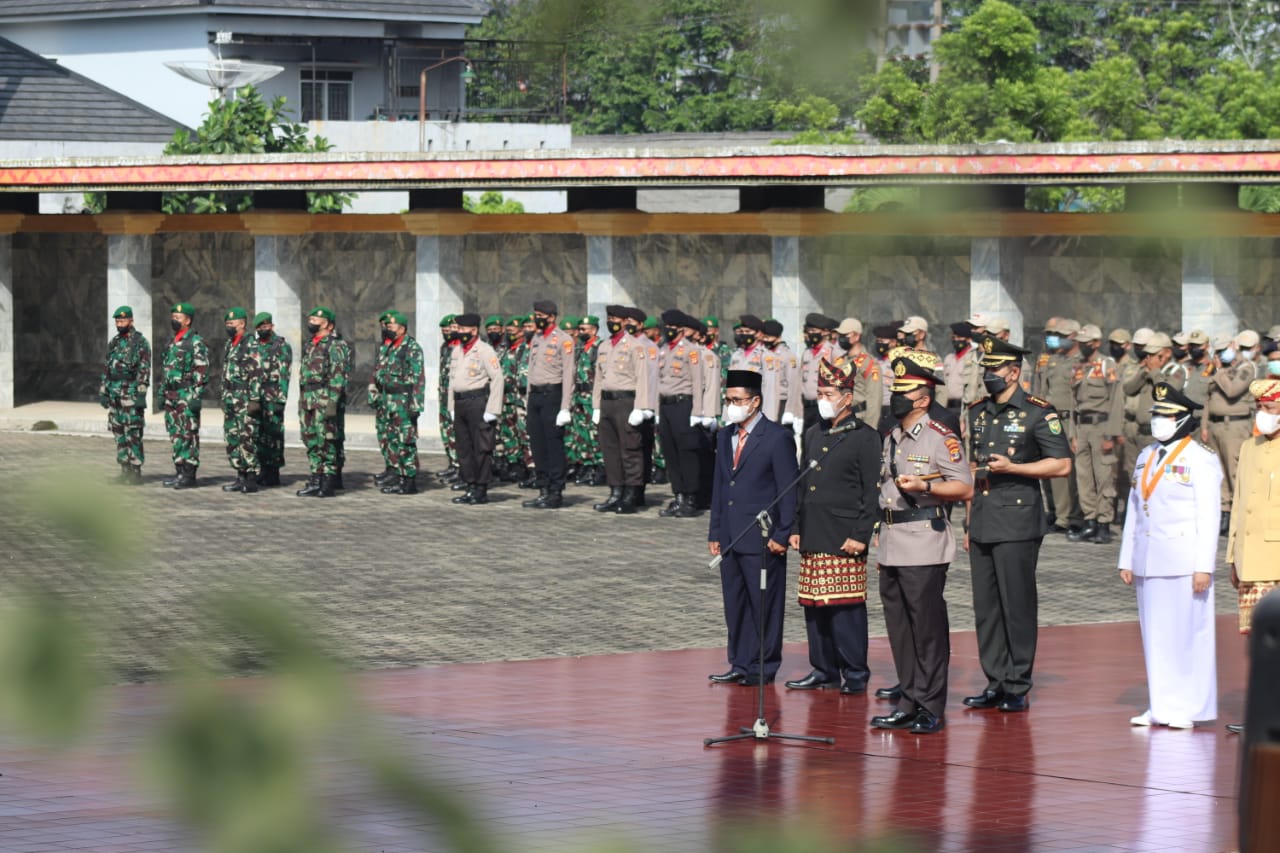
(580, 439)
(493, 332)
(184, 370)
(348, 350)
(276, 357)
(397, 395)
(449, 331)
(241, 401)
(123, 393)
(512, 442)
(322, 380)
(722, 349)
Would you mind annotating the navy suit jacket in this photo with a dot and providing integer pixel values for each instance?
(767, 466)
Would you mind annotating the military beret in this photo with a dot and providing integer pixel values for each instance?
(236, 313)
(997, 352)
(568, 324)
(1171, 401)
(887, 332)
(493, 320)
(183, 308)
(515, 320)
(124, 312)
(638, 315)
(326, 313)
(673, 317)
(572, 320)
(712, 321)
(773, 328)
(651, 322)
(396, 317)
(749, 379)
(469, 320)
(689, 321)
(260, 318)
(1248, 338)
(964, 328)
(447, 320)
(820, 321)
(546, 306)
(590, 320)
(750, 321)
(619, 311)
(837, 374)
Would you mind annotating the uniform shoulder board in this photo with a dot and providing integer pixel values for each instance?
(1038, 401)
(1043, 361)
(1206, 447)
(941, 429)
(976, 403)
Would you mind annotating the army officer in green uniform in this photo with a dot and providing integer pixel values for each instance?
(123, 393)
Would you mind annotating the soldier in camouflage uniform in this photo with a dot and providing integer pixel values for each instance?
(580, 440)
(448, 331)
(397, 395)
(276, 358)
(241, 402)
(322, 381)
(512, 439)
(348, 350)
(528, 330)
(123, 393)
(184, 371)
(722, 349)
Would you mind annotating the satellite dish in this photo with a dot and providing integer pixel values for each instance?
(224, 74)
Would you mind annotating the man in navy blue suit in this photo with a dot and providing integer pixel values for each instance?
(755, 462)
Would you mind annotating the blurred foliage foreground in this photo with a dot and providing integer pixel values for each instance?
(236, 761)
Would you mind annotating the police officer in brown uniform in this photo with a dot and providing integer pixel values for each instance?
(1229, 414)
(1018, 440)
(681, 397)
(916, 545)
(1056, 388)
(1199, 367)
(475, 402)
(619, 393)
(1099, 416)
(817, 349)
(1154, 367)
(552, 367)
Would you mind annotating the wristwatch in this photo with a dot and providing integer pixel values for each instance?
(928, 487)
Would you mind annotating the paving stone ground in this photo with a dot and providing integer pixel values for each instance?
(391, 581)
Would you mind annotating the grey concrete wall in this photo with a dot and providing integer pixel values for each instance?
(725, 275)
(1259, 270)
(505, 273)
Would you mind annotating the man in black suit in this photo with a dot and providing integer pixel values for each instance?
(755, 462)
(838, 509)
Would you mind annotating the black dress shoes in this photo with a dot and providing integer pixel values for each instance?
(851, 689)
(893, 693)
(988, 698)
(927, 724)
(1014, 704)
(896, 720)
(1235, 728)
(755, 680)
(812, 681)
(730, 677)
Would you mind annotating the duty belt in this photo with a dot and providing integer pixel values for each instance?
(617, 395)
(1220, 419)
(920, 513)
(121, 377)
(546, 389)
(397, 389)
(673, 399)
(1090, 418)
(471, 395)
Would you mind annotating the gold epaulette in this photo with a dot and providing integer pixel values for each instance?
(1038, 401)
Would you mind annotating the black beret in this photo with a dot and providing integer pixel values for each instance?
(689, 321)
(750, 321)
(637, 315)
(546, 306)
(962, 329)
(616, 311)
(674, 317)
(773, 327)
(888, 331)
(468, 320)
(748, 379)
(821, 321)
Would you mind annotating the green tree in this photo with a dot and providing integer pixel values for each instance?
(491, 202)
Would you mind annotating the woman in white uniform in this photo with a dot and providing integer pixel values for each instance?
(1168, 553)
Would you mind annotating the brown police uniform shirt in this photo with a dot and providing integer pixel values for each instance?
(682, 372)
(622, 364)
(760, 360)
(927, 448)
(1095, 384)
(472, 368)
(1229, 389)
(552, 362)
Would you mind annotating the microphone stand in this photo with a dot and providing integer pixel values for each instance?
(760, 729)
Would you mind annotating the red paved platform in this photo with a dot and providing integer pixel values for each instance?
(557, 752)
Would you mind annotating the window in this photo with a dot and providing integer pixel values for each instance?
(326, 95)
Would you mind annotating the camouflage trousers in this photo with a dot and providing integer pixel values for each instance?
(240, 431)
(271, 436)
(182, 422)
(447, 437)
(512, 444)
(581, 445)
(320, 437)
(397, 437)
(126, 423)
(340, 432)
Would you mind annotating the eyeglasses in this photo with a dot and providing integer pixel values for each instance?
(739, 401)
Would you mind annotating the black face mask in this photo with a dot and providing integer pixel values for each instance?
(231, 331)
(631, 328)
(881, 349)
(585, 336)
(264, 334)
(813, 339)
(541, 322)
(176, 325)
(495, 338)
(466, 337)
(313, 329)
(528, 335)
(845, 343)
(387, 334)
(910, 340)
(1179, 353)
(1087, 350)
(994, 383)
(1196, 353)
(959, 345)
(900, 405)
(744, 341)
(1117, 351)
(512, 337)
(614, 326)
(670, 335)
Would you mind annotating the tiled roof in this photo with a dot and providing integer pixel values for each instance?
(42, 101)
(425, 9)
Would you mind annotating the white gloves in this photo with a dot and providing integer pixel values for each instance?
(657, 416)
(695, 421)
(562, 418)
(711, 423)
(797, 426)
(595, 417)
(788, 419)
(490, 417)
(649, 415)
(636, 417)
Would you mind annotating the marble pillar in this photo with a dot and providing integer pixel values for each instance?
(276, 290)
(438, 290)
(994, 274)
(129, 283)
(6, 321)
(791, 297)
(608, 271)
(1211, 286)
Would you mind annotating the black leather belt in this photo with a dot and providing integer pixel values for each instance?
(673, 399)
(617, 395)
(471, 395)
(546, 389)
(1090, 418)
(1220, 419)
(1131, 417)
(920, 513)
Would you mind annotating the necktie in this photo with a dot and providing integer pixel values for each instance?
(742, 441)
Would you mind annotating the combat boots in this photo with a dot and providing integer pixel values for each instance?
(607, 505)
(1083, 534)
(1102, 536)
(534, 503)
(549, 499)
(237, 486)
(335, 480)
(311, 488)
(629, 501)
(325, 487)
(135, 476)
(270, 476)
(385, 478)
(669, 510)
(689, 509)
(402, 486)
(170, 482)
(475, 494)
(187, 477)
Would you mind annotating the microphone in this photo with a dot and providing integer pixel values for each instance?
(762, 518)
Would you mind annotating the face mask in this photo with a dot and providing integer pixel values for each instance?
(542, 322)
(813, 339)
(959, 346)
(512, 337)
(1117, 351)
(910, 340)
(584, 336)
(495, 338)
(1227, 356)
(1163, 428)
(773, 345)
(994, 383)
(1196, 353)
(846, 344)
(1273, 368)
(528, 335)
(1052, 341)
(1246, 354)
(671, 334)
(1087, 350)
(388, 335)
(465, 337)
(1179, 353)
(313, 329)
(734, 414)
(900, 405)
(264, 334)
(631, 328)
(881, 349)
(613, 326)
(744, 341)
(1266, 422)
(175, 324)
(826, 409)
(231, 331)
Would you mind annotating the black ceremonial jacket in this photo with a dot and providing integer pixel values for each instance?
(838, 499)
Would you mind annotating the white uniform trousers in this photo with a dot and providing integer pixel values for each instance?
(1179, 647)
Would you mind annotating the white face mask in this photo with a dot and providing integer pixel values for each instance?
(1246, 354)
(1273, 368)
(826, 409)
(1163, 428)
(1227, 356)
(1266, 422)
(736, 414)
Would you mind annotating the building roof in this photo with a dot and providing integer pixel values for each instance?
(42, 101)
(389, 9)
